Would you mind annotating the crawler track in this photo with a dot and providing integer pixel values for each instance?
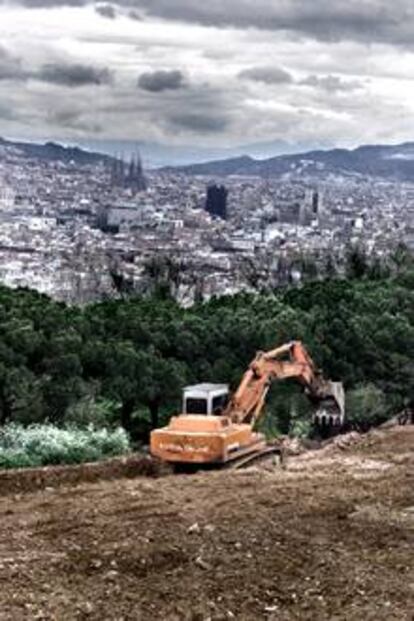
(254, 458)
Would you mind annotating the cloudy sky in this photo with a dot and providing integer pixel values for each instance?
(221, 72)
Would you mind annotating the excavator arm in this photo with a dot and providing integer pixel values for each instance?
(288, 361)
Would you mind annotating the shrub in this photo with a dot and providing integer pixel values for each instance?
(301, 429)
(41, 445)
(10, 458)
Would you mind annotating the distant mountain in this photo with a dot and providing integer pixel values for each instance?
(156, 155)
(394, 162)
(234, 166)
(386, 161)
(53, 151)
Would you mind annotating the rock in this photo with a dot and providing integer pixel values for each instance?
(111, 575)
(96, 564)
(201, 563)
(88, 608)
(194, 528)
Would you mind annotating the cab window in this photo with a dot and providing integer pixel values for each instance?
(195, 406)
(219, 403)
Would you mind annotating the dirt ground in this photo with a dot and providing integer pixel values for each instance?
(330, 536)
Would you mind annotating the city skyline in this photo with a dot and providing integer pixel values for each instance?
(178, 73)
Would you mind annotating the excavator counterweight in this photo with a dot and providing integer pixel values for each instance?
(215, 428)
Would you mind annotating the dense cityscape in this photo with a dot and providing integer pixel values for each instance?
(81, 232)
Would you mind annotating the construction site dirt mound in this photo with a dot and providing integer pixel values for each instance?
(328, 536)
(32, 479)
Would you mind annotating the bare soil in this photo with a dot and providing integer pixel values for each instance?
(329, 536)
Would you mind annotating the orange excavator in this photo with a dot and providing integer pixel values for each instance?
(217, 429)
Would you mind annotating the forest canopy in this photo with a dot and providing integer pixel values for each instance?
(124, 362)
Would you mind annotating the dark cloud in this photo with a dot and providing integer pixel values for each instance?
(372, 20)
(198, 109)
(106, 10)
(201, 123)
(73, 75)
(268, 75)
(73, 119)
(331, 83)
(65, 117)
(158, 81)
(327, 20)
(135, 16)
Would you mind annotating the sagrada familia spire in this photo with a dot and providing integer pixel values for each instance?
(130, 176)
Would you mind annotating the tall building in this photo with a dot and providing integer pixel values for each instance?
(317, 202)
(216, 202)
(129, 176)
(303, 216)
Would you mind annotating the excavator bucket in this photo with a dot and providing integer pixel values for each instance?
(331, 406)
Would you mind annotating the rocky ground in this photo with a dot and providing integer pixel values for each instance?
(329, 536)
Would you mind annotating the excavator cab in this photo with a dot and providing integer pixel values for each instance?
(205, 399)
(203, 433)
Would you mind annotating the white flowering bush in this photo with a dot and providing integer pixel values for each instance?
(41, 445)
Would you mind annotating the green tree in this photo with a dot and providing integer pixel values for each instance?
(161, 382)
(366, 405)
(21, 397)
(356, 262)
